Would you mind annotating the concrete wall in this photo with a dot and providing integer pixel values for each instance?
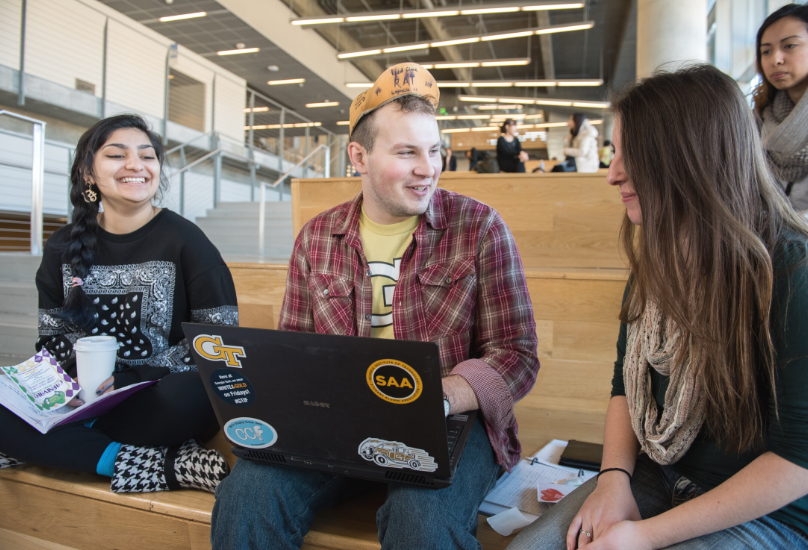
(64, 41)
(10, 11)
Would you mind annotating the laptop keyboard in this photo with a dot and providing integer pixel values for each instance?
(454, 425)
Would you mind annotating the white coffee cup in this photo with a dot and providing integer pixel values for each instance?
(95, 362)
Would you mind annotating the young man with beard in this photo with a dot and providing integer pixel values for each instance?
(402, 260)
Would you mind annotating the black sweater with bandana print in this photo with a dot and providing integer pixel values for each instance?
(143, 284)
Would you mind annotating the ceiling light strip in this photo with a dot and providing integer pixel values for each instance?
(473, 39)
(239, 51)
(493, 127)
(484, 11)
(287, 81)
(372, 17)
(183, 16)
(278, 126)
(470, 64)
(407, 48)
(422, 14)
(538, 101)
(498, 107)
(362, 17)
(323, 104)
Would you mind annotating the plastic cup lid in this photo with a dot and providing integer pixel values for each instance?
(96, 343)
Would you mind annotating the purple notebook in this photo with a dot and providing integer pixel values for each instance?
(103, 404)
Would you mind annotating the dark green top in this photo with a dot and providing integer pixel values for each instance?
(705, 463)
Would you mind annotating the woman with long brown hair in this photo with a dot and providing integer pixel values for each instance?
(781, 103)
(706, 436)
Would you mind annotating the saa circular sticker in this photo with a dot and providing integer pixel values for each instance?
(394, 381)
(250, 432)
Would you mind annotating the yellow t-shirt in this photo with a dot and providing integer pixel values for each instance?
(384, 246)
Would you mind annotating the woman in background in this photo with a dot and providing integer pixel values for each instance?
(706, 440)
(473, 157)
(136, 272)
(510, 156)
(780, 99)
(582, 144)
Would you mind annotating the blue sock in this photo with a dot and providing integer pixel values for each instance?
(106, 465)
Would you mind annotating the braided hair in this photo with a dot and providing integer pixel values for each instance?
(78, 308)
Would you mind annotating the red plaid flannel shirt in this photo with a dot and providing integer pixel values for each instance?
(461, 285)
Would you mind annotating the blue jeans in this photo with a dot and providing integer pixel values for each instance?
(264, 506)
(657, 489)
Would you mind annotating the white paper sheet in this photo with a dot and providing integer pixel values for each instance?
(509, 521)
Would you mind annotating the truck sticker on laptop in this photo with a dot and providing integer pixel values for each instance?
(392, 454)
(211, 347)
(250, 432)
(394, 381)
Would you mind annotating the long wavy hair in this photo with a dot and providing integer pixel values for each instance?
(578, 121)
(763, 94)
(78, 309)
(712, 216)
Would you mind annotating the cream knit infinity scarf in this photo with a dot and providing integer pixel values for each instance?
(652, 341)
(784, 134)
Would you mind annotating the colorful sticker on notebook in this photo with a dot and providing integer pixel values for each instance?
(392, 454)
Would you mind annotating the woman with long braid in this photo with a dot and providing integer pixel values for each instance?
(133, 271)
(706, 436)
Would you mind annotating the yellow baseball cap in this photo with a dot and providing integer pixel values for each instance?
(397, 81)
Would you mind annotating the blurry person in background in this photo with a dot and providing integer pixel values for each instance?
(510, 156)
(450, 162)
(473, 157)
(781, 107)
(582, 144)
(606, 154)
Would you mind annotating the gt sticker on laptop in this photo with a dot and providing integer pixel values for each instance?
(392, 454)
(211, 347)
(394, 381)
(232, 387)
(250, 432)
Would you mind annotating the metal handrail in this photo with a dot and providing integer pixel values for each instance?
(37, 179)
(262, 204)
(194, 163)
(187, 143)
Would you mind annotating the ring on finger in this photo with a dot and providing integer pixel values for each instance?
(587, 533)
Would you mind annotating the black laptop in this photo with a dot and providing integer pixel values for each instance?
(361, 407)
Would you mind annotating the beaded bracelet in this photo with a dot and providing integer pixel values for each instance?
(614, 470)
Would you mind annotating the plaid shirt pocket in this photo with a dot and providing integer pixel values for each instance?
(448, 293)
(332, 304)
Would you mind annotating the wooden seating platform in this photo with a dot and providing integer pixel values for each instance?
(553, 217)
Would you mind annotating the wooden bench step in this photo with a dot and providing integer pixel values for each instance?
(77, 510)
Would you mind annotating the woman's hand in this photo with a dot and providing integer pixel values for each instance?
(106, 386)
(523, 156)
(610, 503)
(625, 534)
(76, 402)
